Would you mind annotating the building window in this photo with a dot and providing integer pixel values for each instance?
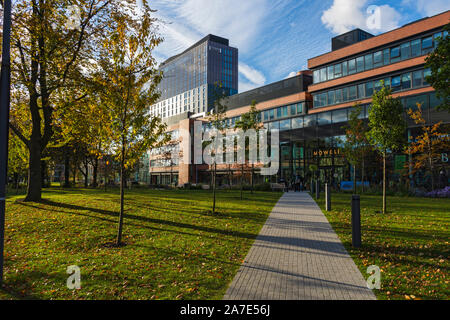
(359, 64)
(411, 102)
(406, 81)
(352, 93)
(338, 96)
(427, 45)
(427, 42)
(338, 70)
(316, 101)
(330, 97)
(316, 76)
(417, 79)
(369, 89)
(436, 38)
(293, 108)
(378, 85)
(330, 74)
(285, 124)
(324, 118)
(323, 74)
(378, 59)
(396, 83)
(351, 66)
(395, 54)
(415, 48)
(426, 73)
(309, 121)
(271, 114)
(345, 94)
(368, 62)
(339, 116)
(274, 125)
(344, 68)
(386, 56)
(360, 89)
(297, 123)
(405, 51)
(323, 99)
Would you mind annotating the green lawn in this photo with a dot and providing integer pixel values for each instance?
(410, 244)
(176, 249)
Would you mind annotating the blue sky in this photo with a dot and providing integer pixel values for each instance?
(276, 37)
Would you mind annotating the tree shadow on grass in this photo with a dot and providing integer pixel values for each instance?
(20, 285)
(151, 220)
(131, 224)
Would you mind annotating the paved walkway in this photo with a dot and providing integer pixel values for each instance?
(298, 256)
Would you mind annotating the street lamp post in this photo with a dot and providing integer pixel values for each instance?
(5, 80)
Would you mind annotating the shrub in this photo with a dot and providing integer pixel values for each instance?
(263, 187)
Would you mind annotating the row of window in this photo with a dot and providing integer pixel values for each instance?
(331, 117)
(427, 100)
(159, 163)
(283, 112)
(271, 114)
(398, 82)
(406, 50)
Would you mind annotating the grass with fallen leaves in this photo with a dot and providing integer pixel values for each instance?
(175, 248)
(410, 244)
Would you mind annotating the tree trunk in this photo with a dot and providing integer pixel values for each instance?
(74, 178)
(214, 188)
(242, 180)
(106, 174)
(384, 182)
(86, 173)
(16, 182)
(354, 179)
(431, 171)
(122, 195)
(94, 172)
(252, 177)
(362, 176)
(34, 171)
(66, 170)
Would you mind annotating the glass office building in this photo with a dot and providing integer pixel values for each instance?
(311, 109)
(189, 78)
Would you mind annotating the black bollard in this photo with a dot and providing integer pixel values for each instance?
(317, 189)
(356, 221)
(327, 197)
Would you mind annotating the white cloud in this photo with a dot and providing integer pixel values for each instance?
(389, 18)
(251, 74)
(429, 7)
(246, 86)
(345, 15)
(238, 20)
(291, 74)
(191, 20)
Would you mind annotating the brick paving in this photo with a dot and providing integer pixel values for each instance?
(298, 256)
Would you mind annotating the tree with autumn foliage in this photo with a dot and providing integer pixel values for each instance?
(83, 130)
(51, 42)
(386, 127)
(127, 79)
(217, 120)
(426, 148)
